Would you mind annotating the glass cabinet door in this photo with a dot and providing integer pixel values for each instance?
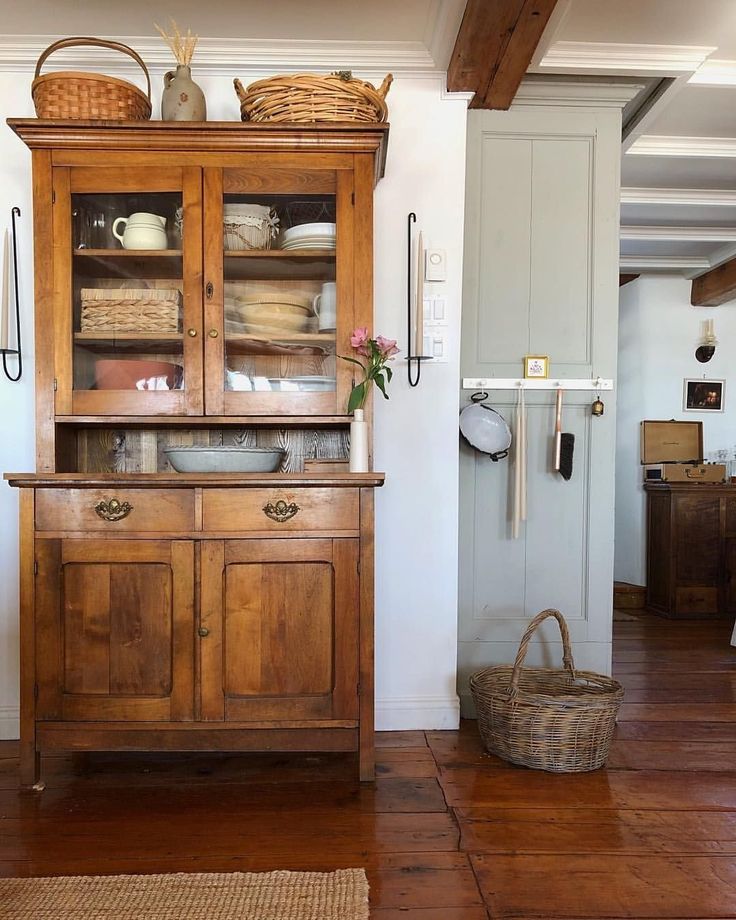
(129, 319)
(278, 298)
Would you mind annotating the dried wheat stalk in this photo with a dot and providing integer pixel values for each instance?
(182, 46)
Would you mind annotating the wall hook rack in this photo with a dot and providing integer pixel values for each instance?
(14, 213)
(597, 384)
(413, 362)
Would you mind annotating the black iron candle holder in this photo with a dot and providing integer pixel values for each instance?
(413, 362)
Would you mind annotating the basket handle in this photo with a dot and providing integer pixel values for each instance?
(239, 89)
(98, 43)
(526, 639)
(385, 86)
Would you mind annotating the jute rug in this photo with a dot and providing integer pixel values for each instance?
(341, 895)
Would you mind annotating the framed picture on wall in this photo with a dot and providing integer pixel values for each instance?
(704, 395)
(536, 367)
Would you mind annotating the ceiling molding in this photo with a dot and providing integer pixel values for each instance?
(442, 26)
(722, 254)
(715, 73)
(551, 31)
(536, 90)
(687, 197)
(227, 56)
(679, 234)
(622, 58)
(655, 145)
(664, 263)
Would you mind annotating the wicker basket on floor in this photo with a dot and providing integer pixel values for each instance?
(71, 94)
(310, 97)
(547, 718)
(130, 310)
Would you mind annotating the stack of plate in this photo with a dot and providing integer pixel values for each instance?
(309, 236)
(276, 312)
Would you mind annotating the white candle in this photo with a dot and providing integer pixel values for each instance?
(419, 337)
(4, 310)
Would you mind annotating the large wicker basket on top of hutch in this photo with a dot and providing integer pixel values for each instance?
(183, 612)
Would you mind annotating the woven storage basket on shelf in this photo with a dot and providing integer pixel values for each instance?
(547, 718)
(310, 97)
(124, 310)
(71, 94)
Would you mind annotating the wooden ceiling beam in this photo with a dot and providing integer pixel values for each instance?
(494, 47)
(715, 287)
(626, 277)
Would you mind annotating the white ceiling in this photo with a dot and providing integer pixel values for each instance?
(686, 140)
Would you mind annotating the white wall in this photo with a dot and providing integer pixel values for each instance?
(416, 432)
(658, 333)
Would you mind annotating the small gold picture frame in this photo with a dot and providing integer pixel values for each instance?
(536, 367)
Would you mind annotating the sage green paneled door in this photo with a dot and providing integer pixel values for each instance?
(541, 277)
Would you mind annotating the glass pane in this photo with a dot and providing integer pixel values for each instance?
(127, 292)
(280, 293)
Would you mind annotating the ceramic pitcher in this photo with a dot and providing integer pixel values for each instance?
(182, 99)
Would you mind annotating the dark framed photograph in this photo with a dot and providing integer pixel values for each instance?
(704, 395)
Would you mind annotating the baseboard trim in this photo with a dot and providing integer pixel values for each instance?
(400, 714)
(9, 723)
(417, 713)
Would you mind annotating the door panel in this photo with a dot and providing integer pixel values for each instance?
(281, 622)
(267, 349)
(276, 648)
(117, 636)
(128, 319)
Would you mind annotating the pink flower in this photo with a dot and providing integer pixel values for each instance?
(359, 337)
(359, 340)
(387, 347)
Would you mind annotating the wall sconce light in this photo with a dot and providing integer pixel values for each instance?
(708, 341)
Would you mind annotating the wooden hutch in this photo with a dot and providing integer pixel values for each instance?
(183, 612)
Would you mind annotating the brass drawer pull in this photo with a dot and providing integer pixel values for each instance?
(280, 511)
(203, 632)
(113, 510)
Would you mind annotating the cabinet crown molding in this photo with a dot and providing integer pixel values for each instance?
(540, 91)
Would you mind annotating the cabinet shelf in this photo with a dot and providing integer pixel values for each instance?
(159, 342)
(128, 263)
(245, 344)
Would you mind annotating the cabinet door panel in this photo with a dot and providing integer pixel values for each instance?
(698, 540)
(281, 621)
(118, 633)
(278, 629)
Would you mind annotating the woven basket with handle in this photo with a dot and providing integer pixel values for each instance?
(76, 95)
(310, 97)
(560, 720)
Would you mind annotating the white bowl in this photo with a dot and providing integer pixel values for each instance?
(321, 231)
(225, 459)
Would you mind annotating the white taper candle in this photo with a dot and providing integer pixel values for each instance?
(5, 308)
(419, 312)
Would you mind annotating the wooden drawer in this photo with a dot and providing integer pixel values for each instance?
(696, 601)
(144, 510)
(280, 510)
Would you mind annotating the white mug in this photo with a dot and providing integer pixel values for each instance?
(325, 306)
(142, 231)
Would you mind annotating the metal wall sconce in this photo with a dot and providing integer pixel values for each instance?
(708, 341)
(414, 362)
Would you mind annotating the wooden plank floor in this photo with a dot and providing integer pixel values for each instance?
(447, 832)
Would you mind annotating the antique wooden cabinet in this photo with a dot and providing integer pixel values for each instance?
(691, 549)
(197, 611)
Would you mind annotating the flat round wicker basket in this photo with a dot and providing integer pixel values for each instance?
(310, 97)
(71, 94)
(547, 718)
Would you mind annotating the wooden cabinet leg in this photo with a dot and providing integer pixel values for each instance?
(30, 768)
(367, 754)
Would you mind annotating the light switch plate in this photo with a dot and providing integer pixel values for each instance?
(435, 265)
